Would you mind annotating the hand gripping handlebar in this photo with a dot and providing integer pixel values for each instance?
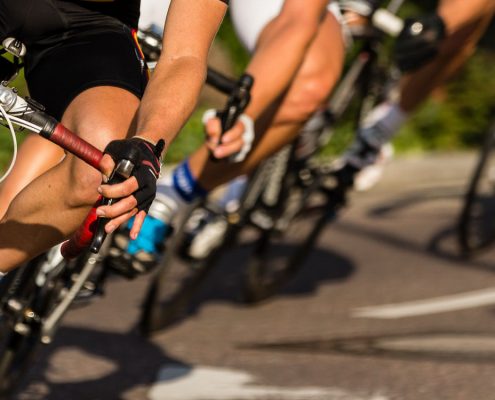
(239, 98)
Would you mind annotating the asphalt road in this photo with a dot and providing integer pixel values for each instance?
(327, 335)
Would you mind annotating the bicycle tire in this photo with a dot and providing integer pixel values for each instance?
(278, 256)
(178, 279)
(263, 278)
(18, 346)
(174, 284)
(476, 223)
(16, 350)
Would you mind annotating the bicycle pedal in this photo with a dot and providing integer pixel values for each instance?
(261, 219)
(131, 266)
(22, 329)
(88, 292)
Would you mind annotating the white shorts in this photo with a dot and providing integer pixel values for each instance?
(153, 12)
(251, 16)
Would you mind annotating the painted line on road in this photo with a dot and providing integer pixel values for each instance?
(180, 382)
(462, 301)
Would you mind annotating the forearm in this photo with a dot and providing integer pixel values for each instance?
(174, 87)
(170, 98)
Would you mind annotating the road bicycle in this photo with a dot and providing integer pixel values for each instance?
(476, 222)
(30, 292)
(288, 200)
(35, 297)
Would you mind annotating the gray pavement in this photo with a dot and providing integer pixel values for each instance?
(327, 335)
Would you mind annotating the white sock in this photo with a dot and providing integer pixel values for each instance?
(383, 123)
(233, 193)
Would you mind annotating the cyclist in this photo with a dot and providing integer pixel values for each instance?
(308, 37)
(430, 50)
(84, 66)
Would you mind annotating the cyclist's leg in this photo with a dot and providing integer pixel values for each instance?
(35, 156)
(52, 207)
(314, 79)
(95, 93)
(281, 124)
(466, 22)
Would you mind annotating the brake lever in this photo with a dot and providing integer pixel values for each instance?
(122, 171)
(236, 104)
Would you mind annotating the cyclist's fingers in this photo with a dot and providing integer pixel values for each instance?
(106, 167)
(118, 190)
(234, 134)
(138, 223)
(120, 207)
(213, 130)
(225, 150)
(120, 220)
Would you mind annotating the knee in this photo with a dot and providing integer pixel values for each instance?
(302, 102)
(83, 184)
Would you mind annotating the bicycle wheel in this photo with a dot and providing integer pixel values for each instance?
(28, 297)
(19, 330)
(179, 276)
(176, 280)
(282, 247)
(476, 227)
(280, 252)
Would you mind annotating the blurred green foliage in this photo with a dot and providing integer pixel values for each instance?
(456, 120)
(460, 117)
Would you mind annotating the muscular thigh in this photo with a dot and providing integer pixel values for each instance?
(313, 83)
(319, 72)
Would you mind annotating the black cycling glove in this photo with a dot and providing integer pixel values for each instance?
(147, 163)
(419, 41)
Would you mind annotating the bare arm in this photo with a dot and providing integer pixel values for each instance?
(175, 85)
(171, 94)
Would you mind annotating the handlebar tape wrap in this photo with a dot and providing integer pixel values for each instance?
(77, 146)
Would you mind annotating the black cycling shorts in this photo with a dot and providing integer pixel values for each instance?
(103, 59)
(71, 48)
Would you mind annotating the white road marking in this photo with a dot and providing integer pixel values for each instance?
(178, 382)
(442, 304)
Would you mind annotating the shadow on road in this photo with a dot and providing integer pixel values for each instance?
(126, 364)
(443, 244)
(224, 283)
(439, 346)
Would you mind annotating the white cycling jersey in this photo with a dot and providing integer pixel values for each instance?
(251, 16)
(153, 12)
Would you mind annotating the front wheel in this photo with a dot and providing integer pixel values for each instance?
(179, 275)
(280, 252)
(27, 296)
(19, 328)
(476, 228)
